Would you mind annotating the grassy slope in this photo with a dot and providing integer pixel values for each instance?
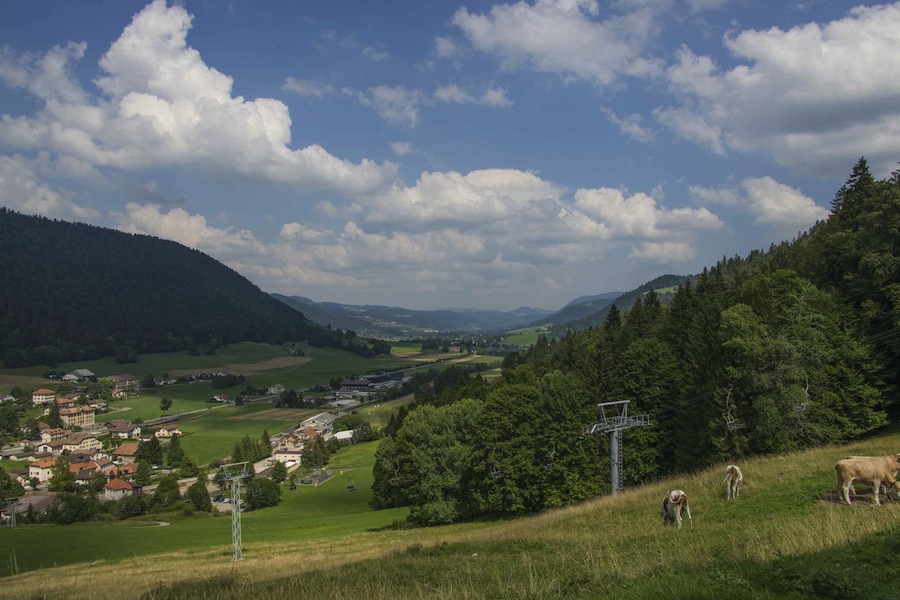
(784, 537)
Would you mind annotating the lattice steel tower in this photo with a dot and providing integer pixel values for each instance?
(234, 472)
(614, 419)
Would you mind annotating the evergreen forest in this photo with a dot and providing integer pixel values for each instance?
(778, 350)
(74, 292)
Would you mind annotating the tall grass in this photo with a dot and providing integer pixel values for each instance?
(785, 537)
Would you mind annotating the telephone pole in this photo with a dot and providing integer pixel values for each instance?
(614, 419)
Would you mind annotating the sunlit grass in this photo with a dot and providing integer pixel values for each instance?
(784, 537)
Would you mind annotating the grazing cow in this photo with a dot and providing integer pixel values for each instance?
(735, 480)
(672, 505)
(876, 469)
(884, 489)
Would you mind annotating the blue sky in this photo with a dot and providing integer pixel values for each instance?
(432, 154)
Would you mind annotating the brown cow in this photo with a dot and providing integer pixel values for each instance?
(672, 505)
(875, 469)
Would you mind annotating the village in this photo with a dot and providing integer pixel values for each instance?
(103, 457)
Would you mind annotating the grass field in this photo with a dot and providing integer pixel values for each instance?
(785, 537)
(251, 359)
(525, 337)
(214, 434)
(305, 514)
(379, 414)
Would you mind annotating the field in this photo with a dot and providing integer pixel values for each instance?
(525, 337)
(262, 364)
(379, 414)
(307, 513)
(785, 537)
(214, 434)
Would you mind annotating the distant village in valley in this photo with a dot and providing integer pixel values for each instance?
(103, 457)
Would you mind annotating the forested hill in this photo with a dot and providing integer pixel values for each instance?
(73, 291)
(773, 352)
(576, 318)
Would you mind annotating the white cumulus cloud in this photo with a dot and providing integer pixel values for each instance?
(162, 105)
(566, 37)
(768, 201)
(815, 97)
(22, 189)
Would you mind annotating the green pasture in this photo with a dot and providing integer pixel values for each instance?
(147, 407)
(325, 364)
(666, 290)
(784, 537)
(378, 415)
(525, 337)
(159, 363)
(213, 434)
(307, 513)
(405, 348)
(13, 465)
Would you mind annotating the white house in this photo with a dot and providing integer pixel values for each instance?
(42, 469)
(117, 489)
(42, 396)
(288, 457)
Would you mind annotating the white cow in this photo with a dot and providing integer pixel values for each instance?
(876, 469)
(672, 505)
(885, 486)
(735, 480)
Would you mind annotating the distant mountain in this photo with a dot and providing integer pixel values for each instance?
(393, 321)
(495, 319)
(72, 291)
(583, 299)
(579, 309)
(664, 285)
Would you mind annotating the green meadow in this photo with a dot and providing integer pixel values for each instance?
(213, 435)
(524, 337)
(243, 358)
(307, 514)
(378, 415)
(786, 536)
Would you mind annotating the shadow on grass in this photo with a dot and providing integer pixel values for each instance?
(863, 569)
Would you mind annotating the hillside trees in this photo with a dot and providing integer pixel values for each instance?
(262, 492)
(531, 453)
(431, 455)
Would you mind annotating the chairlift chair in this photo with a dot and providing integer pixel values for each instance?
(496, 473)
(732, 423)
(552, 459)
(805, 404)
(350, 485)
